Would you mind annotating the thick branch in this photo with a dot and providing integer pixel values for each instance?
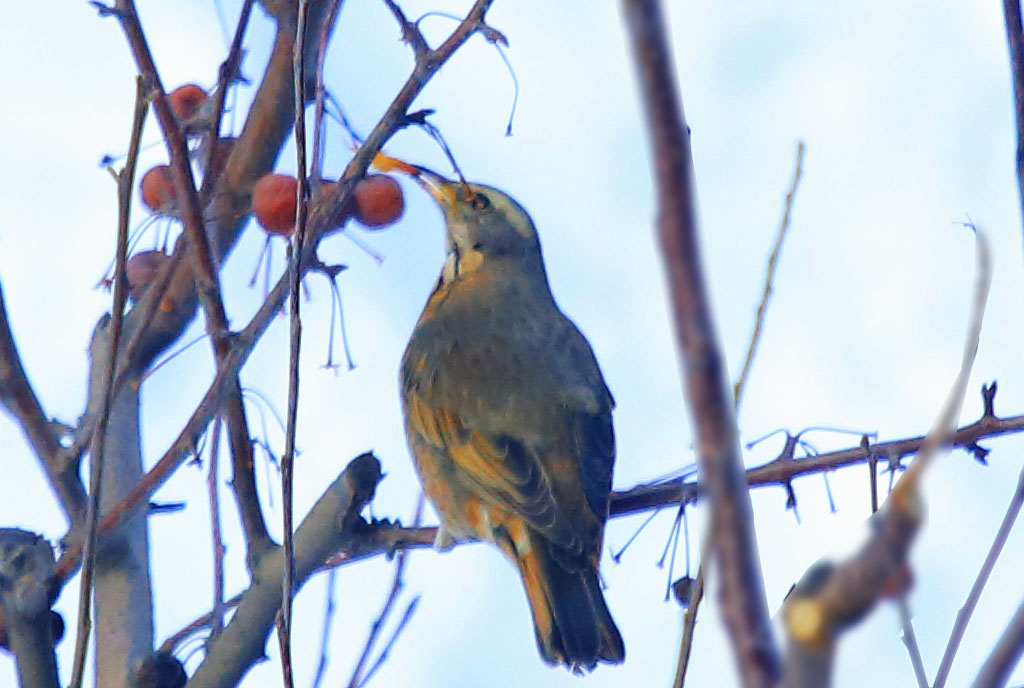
(733, 542)
(27, 591)
(327, 528)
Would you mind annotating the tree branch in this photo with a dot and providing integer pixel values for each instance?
(996, 670)
(1015, 39)
(385, 537)
(27, 590)
(244, 341)
(328, 526)
(963, 616)
(733, 543)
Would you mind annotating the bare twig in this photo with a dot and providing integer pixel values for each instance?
(295, 344)
(733, 542)
(689, 625)
(963, 617)
(257, 540)
(769, 278)
(910, 642)
(125, 184)
(325, 630)
(319, 97)
(784, 469)
(410, 609)
(397, 584)
(243, 478)
(411, 33)
(228, 73)
(213, 491)
(996, 670)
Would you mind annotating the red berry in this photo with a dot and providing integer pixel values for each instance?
(379, 201)
(186, 100)
(273, 202)
(157, 189)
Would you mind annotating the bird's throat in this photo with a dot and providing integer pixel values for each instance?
(459, 264)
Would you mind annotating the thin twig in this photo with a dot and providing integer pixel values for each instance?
(769, 278)
(295, 344)
(410, 609)
(125, 184)
(325, 630)
(228, 72)
(411, 33)
(213, 491)
(910, 642)
(397, 584)
(689, 625)
(1005, 656)
(319, 97)
(963, 617)
(243, 478)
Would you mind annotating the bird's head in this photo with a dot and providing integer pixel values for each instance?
(484, 226)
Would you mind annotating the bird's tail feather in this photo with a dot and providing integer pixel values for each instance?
(570, 618)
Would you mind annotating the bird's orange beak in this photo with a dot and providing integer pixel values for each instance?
(442, 190)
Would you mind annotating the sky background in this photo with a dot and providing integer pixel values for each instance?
(907, 117)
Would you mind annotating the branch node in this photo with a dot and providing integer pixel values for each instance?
(988, 398)
(106, 10)
(411, 33)
(979, 453)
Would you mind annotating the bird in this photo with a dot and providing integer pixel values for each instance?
(509, 420)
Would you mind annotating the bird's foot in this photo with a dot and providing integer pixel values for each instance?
(443, 541)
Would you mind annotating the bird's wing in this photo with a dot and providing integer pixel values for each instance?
(525, 418)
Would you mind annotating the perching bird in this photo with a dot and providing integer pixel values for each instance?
(510, 421)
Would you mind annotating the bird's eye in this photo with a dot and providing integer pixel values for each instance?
(480, 202)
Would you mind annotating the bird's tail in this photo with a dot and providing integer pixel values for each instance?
(570, 618)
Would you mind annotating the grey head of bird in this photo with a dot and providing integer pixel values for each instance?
(484, 227)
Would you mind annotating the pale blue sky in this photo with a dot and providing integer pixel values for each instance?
(906, 112)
